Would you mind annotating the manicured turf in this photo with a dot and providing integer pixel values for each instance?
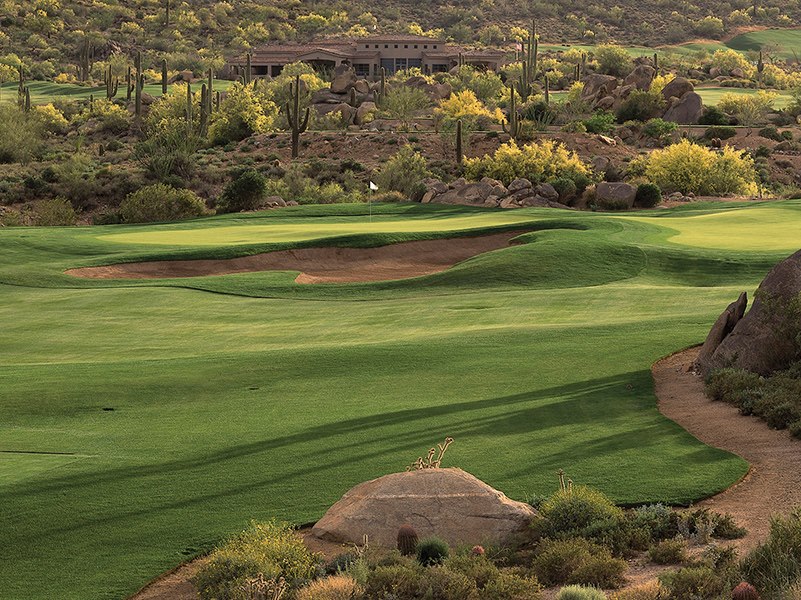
(783, 42)
(270, 398)
(44, 92)
(711, 95)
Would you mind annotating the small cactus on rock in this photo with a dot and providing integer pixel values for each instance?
(744, 591)
(477, 550)
(407, 540)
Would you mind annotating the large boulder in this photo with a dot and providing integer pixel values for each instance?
(723, 326)
(597, 86)
(686, 110)
(765, 339)
(344, 79)
(448, 503)
(616, 192)
(364, 111)
(677, 88)
(641, 77)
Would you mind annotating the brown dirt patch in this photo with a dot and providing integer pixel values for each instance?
(773, 484)
(321, 265)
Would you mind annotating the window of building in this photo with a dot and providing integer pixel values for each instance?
(425, 46)
(362, 69)
(386, 45)
(406, 45)
(435, 46)
(396, 45)
(415, 46)
(439, 68)
(376, 46)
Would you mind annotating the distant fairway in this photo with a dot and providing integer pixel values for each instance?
(141, 421)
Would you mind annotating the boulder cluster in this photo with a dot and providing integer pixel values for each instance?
(491, 193)
(606, 92)
(354, 99)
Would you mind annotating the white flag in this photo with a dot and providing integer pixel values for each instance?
(373, 186)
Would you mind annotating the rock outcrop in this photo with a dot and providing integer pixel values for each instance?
(617, 192)
(766, 338)
(448, 503)
(684, 105)
(491, 193)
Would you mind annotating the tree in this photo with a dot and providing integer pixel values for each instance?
(613, 60)
(403, 102)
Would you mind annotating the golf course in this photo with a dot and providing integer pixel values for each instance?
(144, 420)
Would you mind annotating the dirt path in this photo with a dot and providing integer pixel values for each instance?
(321, 265)
(773, 485)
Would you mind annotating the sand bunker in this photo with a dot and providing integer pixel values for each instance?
(321, 265)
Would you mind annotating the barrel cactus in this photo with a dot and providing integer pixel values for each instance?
(744, 591)
(407, 540)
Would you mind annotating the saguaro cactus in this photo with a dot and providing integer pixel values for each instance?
(167, 13)
(86, 55)
(189, 108)
(163, 76)
(760, 68)
(380, 94)
(547, 90)
(210, 90)
(459, 153)
(296, 124)
(138, 84)
(112, 84)
(513, 125)
(248, 77)
(204, 111)
(129, 88)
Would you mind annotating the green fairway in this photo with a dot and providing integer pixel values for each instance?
(45, 92)
(141, 421)
(712, 95)
(783, 42)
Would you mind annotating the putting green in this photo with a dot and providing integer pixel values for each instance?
(270, 399)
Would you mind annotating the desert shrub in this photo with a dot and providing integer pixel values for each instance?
(438, 583)
(571, 510)
(476, 567)
(556, 560)
(466, 106)
(106, 116)
(646, 591)
(168, 153)
(727, 60)
(722, 132)
(243, 193)
(403, 102)
(270, 548)
(771, 133)
(611, 204)
(659, 128)
(511, 586)
(602, 122)
(566, 188)
(432, 551)
(161, 202)
(776, 564)
(246, 110)
(537, 161)
(340, 563)
(394, 581)
(600, 569)
(735, 386)
(648, 195)
(21, 134)
(580, 592)
(641, 105)
(402, 172)
(668, 552)
(687, 167)
(750, 109)
(613, 60)
(52, 118)
(712, 115)
(55, 212)
(389, 197)
(658, 519)
(693, 583)
(336, 587)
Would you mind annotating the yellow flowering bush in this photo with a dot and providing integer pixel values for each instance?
(748, 109)
(728, 59)
(537, 162)
(51, 117)
(244, 111)
(466, 106)
(686, 167)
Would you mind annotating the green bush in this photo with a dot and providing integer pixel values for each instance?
(580, 592)
(720, 132)
(611, 204)
(613, 60)
(693, 583)
(641, 105)
(438, 583)
(399, 581)
(600, 569)
(659, 128)
(402, 172)
(243, 193)
(686, 167)
(537, 161)
(271, 549)
(22, 134)
(572, 510)
(712, 115)
(566, 188)
(577, 560)
(600, 122)
(648, 195)
(776, 564)
(771, 133)
(477, 568)
(432, 551)
(668, 552)
(728, 385)
(159, 202)
(658, 519)
(511, 586)
(54, 213)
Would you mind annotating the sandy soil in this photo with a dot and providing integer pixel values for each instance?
(773, 485)
(321, 265)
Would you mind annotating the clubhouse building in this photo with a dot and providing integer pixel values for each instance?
(367, 55)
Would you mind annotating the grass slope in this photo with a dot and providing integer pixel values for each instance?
(45, 92)
(270, 398)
